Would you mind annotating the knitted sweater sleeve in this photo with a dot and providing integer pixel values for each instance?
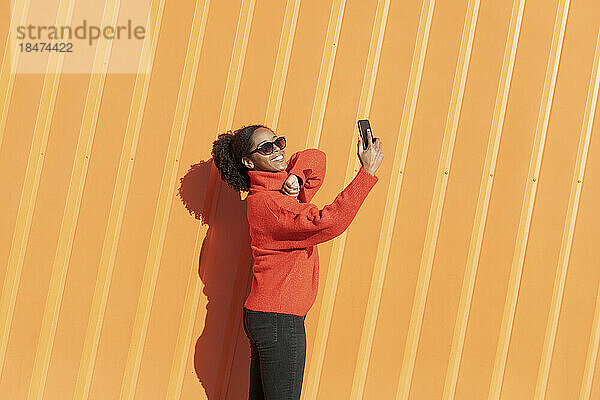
(309, 165)
(303, 225)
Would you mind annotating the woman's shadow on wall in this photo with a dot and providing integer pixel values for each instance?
(222, 352)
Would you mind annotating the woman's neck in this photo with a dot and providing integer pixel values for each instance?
(267, 180)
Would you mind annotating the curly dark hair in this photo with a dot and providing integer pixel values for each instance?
(227, 153)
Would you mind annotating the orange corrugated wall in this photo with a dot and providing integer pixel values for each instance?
(471, 271)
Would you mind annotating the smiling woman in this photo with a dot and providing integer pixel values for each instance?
(285, 229)
(270, 159)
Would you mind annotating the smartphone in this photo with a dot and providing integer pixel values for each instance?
(363, 126)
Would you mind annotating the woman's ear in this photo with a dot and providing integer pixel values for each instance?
(247, 163)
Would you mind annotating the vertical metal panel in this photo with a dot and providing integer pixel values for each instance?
(552, 205)
(385, 235)
(109, 375)
(401, 69)
(487, 177)
(105, 291)
(157, 376)
(572, 368)
(532, 180)
(17, 15)
(505, 202)
(117, 206)
(480, 114)
(73, 202)
(592, 354)
(28, 198)
(439, 195)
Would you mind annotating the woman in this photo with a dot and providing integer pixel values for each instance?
(285, 229)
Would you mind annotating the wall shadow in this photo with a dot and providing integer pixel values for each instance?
(225, 269)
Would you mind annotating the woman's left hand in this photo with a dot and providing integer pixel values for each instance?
(291, 186)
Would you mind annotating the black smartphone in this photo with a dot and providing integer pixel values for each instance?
(363, 126)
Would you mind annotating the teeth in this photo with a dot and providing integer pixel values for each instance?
(278, 158)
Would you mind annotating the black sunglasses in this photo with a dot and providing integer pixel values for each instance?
(267, 148)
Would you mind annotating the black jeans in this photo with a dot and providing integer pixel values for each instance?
(277, 354)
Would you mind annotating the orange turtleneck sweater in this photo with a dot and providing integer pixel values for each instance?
(284, 231)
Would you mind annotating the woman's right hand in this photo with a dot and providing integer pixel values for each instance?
(372, 156)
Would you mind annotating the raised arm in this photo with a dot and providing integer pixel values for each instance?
(309, 166)
(296, 225)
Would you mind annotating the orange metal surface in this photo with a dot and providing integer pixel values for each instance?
(471, 271)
